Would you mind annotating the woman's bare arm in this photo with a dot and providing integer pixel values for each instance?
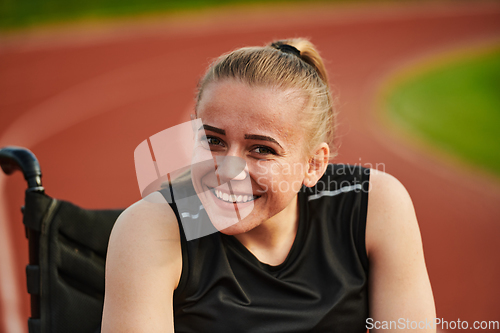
(143, 268)
(399, 285)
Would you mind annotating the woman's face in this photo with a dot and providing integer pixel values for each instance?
(256, 139)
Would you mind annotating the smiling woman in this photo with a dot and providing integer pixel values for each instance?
(298, 244)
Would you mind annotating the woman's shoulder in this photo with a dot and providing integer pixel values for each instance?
(146, 233)
(398, 275)
(148, 216)
(390, 211)
(386, 190)
(143, 268)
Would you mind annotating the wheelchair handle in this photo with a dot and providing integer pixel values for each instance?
(18, 158)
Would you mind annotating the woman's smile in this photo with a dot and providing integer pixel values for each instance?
(233, 198)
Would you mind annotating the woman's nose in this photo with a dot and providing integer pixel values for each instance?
(231, 168)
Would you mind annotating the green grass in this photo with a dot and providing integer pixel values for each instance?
(29, 13)
(455, 107)
(15, 14)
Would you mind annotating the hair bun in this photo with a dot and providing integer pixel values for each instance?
(286, 48)
(307, 52)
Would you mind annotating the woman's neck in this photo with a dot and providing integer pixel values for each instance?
(272, 240)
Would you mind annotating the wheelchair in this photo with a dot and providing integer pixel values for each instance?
(67, 253)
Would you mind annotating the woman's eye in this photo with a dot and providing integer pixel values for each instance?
(264, 151)
(211, 142)
(214, 141)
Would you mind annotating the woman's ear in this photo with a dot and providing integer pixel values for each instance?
(318, 162)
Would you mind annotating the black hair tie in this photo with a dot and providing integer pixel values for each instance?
(286, 48)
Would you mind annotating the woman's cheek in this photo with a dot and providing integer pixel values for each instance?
(201, 154)
(261, 167)
(202, 165)
(260, 171)
(263, 188)
(279, 176)
(202, 161)
(268, 181)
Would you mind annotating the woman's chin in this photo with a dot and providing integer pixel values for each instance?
(232, 225)
(236, 228)
(228, 217)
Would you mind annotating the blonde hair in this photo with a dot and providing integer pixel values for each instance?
(280, 64)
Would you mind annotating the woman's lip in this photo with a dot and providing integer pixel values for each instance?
(230, 205)
(241, 203)
(233, 192)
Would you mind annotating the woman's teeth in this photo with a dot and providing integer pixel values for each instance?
(233, 198)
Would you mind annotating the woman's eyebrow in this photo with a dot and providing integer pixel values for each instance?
(213, 129)
(261, 137)
(247, 136)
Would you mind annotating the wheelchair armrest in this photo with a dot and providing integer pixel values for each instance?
(17, 158)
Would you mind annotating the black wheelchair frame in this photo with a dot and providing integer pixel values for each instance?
(67, 253)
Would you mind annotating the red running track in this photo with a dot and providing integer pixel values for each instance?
(82, 100)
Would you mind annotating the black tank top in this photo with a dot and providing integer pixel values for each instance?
(320, 287)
